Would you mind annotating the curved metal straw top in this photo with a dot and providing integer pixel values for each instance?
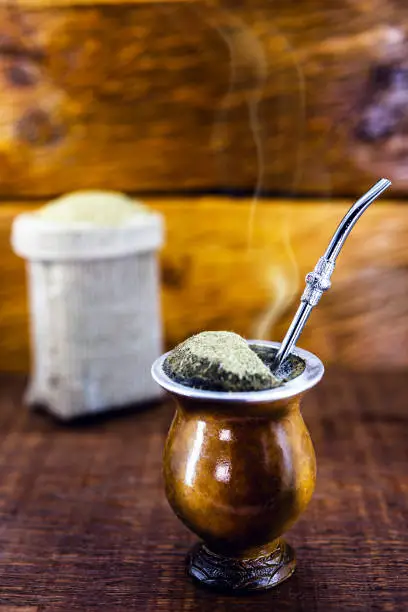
(318, 281)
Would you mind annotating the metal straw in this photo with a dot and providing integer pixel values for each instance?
(318, 281)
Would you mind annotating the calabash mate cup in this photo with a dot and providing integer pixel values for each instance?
(239, 469)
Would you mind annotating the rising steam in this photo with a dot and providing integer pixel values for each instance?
(283, 280)
(247, 52)
(249, 58)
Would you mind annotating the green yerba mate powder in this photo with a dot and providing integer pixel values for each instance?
(219, 361)
(94, 208)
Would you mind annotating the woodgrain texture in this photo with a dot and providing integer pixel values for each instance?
(92, 3)
(217, 274)
(281, 97)
(85, 525)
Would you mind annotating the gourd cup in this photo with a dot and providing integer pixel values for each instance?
(239, 469)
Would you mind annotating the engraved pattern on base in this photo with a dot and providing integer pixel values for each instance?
(227, 573)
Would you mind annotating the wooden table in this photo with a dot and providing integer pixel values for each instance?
(84, 524)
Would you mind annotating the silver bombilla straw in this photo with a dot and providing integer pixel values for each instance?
(318, 281)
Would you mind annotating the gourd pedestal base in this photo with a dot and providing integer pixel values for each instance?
(240, 575)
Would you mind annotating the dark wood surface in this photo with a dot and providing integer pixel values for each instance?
(84, 524)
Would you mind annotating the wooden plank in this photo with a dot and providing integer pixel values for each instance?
(203, 95)
(219, 275)
(40, 4)
(18, 609)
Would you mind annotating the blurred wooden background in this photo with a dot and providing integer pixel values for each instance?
(189, 104)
